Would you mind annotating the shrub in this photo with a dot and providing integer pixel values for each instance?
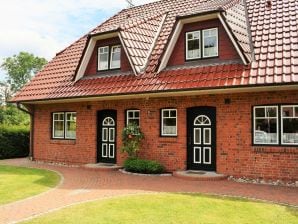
(14, 141)
(131, 139)
(143, 166)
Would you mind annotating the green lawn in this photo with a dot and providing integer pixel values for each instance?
(172, 208)
(18, 183)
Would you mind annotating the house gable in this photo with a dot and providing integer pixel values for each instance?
(92, 67)
(226, 50)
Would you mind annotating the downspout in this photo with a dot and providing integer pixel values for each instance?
(31, 113)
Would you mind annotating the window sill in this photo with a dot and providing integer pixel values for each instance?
(276, 149)
(63, 141)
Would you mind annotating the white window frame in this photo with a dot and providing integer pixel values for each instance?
(98, 58)
(281, 121)
(111, 57)
(186, 50)
(64, 125)
(134, 117)
(203, 42)
(277, 124)
(53, 124)
(162, 122)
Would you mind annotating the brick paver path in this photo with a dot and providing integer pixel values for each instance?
(81, 184)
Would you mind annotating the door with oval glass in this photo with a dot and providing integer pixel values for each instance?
(201, 138)
(106, 138)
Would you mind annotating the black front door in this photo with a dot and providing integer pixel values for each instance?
(106, 138)
(201, 138)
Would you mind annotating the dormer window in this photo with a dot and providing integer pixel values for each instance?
(109, 57)
(202, 44)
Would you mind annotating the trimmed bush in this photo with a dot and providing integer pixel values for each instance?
(14, 141)
(143, 166)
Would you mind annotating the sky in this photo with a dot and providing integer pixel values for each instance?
(45, 27)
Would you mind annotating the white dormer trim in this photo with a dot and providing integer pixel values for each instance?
(176, 34)
(88, 53)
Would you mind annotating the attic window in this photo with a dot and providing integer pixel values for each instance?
(109, 57)
(202, 44)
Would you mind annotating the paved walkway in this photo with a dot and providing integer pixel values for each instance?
(81, 184)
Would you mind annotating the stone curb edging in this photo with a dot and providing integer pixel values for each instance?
(148, 175)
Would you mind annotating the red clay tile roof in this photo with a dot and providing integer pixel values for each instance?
(274, 37)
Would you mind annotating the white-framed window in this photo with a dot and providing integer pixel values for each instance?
(168, 122)
(265, 125)
(58, 125)
(64, 125)
(109, 57)
(193, 45)
(115, 57)
(133, 116)
(289, 125)
(210, 43)
(103, 58)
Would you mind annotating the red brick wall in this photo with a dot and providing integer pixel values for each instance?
(225, 46)
(92, 65)
(235, 154)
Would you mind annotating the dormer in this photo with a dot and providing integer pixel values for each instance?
(108, 57)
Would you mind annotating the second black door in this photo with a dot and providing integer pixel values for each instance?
(106, 138)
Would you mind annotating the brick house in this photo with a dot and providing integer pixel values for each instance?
(212, 84)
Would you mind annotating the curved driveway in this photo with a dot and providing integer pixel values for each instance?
(80, 184)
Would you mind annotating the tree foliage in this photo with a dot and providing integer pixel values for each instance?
(11, 115)
(20, 69)
(131, 139)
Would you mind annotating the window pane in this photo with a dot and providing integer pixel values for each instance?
(260, 112)
(210, 43)
(134, 121)
(271, 112)
(169, 126)
(173, 113)
(70, 125)
(103, 58)
(58, 129)
(290, 131)
(296, 111)
(166, 113)
(115, 57)
(265, 131)
(288, 112)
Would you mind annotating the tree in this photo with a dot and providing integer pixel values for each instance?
(5, 92)
(20, 69)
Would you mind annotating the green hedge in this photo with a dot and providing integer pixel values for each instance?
(14, 141)
(143, 166)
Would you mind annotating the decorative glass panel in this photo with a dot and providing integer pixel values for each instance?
(103, 58)
(207, 155)
(210, 39)
(111, 150)
(207, 136)
(202, 120)
(104, 152)
(197, 136)
(115, 57)
(111, 134)
(105, 134)
(289, 125)
(197, 154)
(108, 121)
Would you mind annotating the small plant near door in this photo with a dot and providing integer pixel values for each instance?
(131, 139)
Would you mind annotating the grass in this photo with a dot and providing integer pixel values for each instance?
(18, 183)
(172, 208)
